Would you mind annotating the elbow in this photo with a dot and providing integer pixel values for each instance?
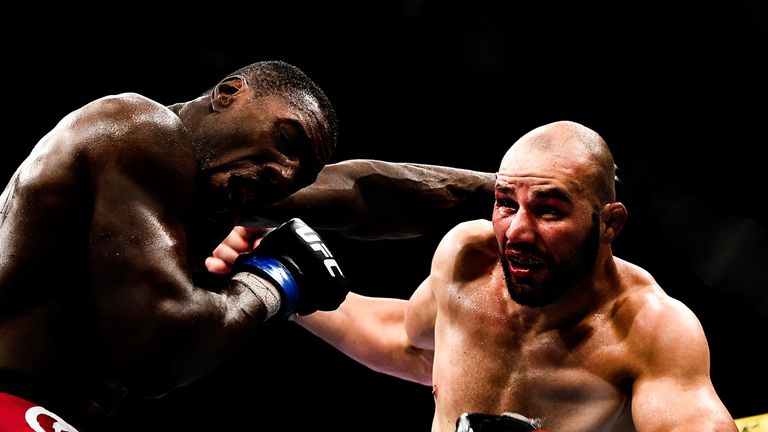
(421, 367)
(414, 366)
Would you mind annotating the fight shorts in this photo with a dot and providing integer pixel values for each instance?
(32, 404)
(21, 415)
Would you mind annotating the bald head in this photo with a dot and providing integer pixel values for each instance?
(567, 149)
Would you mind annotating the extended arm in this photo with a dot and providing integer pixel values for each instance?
(372, 332)
(674, 391)
(392, 336)
(371, 199)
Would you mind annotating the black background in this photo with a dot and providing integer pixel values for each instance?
(678, 91)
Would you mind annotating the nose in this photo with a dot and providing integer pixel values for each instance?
(280, 175)
(522, 228)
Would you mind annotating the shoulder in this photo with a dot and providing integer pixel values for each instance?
(109, 127)
(125, 113)
(468, 236)
(467, 248)
(657, 316)
(123, 104)
(645, 301)
(130, 136)
(113, 123)
(661, 330)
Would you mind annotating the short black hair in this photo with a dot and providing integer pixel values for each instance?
(270, 77)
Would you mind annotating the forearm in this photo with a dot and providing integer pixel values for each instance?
(372, 332)
(158, 349)
(371, 199)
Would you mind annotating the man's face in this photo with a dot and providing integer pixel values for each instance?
(547, 229)
(267, 150)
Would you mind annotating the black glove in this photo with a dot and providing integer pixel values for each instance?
(507, 422)
(295, 260)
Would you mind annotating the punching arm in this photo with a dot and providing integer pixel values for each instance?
(370, 199)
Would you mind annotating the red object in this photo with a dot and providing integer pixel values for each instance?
(21, 415)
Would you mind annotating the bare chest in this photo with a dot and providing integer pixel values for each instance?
(574, 378)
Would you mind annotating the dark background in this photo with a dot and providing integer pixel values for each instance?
(678, 91)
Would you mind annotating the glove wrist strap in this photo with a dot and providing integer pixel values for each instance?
(275, 270)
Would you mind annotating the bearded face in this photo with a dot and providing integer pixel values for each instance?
(563, 272)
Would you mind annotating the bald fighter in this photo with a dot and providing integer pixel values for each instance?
(105, 228)
(531, 313)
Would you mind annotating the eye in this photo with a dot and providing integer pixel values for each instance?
(291, 139)
(506, 204)
(285, 142)
(549, 211)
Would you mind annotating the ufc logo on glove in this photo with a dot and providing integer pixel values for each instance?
(292, 271)
(310, 236)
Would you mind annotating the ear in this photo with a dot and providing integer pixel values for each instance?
(614, 216)
(227, 91)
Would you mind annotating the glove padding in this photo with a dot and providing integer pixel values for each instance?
(507, 422)
(297, 262)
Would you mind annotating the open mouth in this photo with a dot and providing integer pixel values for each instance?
(523, 264)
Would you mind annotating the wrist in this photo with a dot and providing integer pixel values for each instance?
(267, 294)
(279, 277)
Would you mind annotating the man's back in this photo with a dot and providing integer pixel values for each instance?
(49, 327)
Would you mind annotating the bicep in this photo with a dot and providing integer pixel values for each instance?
(673, 391)
(421, 316)
(136, 249)
(672, 404)
(141, 180)
(425, 303)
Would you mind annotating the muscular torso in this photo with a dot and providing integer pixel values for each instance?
(49, 326)
(575, 376)
(43, 233)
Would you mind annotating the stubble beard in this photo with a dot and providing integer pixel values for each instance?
(563, 276)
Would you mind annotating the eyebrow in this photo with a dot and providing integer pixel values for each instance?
(552, 193)
(548, 193)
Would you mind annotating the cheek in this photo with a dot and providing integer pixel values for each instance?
(500, 227)
(561, 236)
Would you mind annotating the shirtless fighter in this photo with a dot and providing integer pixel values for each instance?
(531, 313)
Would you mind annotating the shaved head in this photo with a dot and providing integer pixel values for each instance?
(570, 149)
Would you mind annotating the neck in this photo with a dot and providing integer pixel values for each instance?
(176, 108)
(192, 112)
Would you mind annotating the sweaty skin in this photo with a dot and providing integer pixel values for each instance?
(107, 226)
(104, 224)
(531, 312)
(369, 199)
